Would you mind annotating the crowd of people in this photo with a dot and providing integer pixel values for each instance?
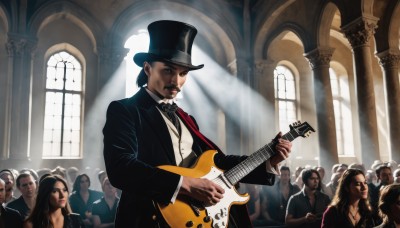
(56, 198)
(354, 197)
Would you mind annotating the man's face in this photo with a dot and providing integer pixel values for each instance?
(9, 180)
(313, 182)
(285, 176)
(2, 192)
(386, 176)
(27, 187)
(165, 79)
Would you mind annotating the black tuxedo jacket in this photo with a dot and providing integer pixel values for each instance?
(11, 218)
(136, 141)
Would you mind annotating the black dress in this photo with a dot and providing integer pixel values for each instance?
(73, 221)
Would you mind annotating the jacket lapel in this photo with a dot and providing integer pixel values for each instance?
(153, 117)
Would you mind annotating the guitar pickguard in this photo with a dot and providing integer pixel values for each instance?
(220, 212)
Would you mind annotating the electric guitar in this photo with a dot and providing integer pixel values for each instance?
(187, 212)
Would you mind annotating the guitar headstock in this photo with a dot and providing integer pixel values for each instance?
(302, 129)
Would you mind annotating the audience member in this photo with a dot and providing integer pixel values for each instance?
(321, 172)
(59, 171)
(8, 217)
(52, 209)
(297, 177)
(396, 176)
(389, 206)
(26, 184)
(275, 198)
(357, 166)
(306, 207)
(8, 176)
(350, 205)
(72, 173)
(42, 172)
(105, 209)
(101, 175)
(341, 168)
(332, 185)
(82, 198)
(32, 172)
(385, 177)
(375, 164)
(371, 179)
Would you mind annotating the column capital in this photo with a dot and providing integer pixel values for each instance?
(112, 55)
(319, 57)
(389, 59)
(238, 66)
(360, 31)
(261, 65)
(18, 44)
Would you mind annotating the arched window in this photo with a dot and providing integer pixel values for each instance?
(341, 106)
(63, 111)
(285, 97)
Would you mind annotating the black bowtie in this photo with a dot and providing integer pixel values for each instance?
(169, 110)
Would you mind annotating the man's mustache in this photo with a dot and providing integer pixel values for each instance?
(172, 87)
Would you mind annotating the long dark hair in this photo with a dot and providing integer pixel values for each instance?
(77, 184)
(40, 216)
(307, 173)
(389, 196)
(341, 200)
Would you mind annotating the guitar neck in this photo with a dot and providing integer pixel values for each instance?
(235, 174)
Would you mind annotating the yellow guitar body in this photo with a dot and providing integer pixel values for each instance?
(187, 213)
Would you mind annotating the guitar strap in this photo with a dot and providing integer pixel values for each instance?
(194, 128)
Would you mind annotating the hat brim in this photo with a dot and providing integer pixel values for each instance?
(142, 57)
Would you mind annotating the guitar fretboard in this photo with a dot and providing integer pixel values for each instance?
(235, 174)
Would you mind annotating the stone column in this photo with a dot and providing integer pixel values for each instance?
(20, 52)
(359, 33)
(243, 74)
(390, 64)
(319, 60)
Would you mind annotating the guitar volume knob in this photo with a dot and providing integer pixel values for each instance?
(189, 224)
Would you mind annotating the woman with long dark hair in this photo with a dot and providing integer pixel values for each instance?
(52, 209)
(389, 206)
(350, 205)
(82, 198)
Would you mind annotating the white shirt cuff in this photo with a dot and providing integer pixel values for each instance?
(270, 169)
(177, 190)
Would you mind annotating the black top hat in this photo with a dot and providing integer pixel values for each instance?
(170, 41)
